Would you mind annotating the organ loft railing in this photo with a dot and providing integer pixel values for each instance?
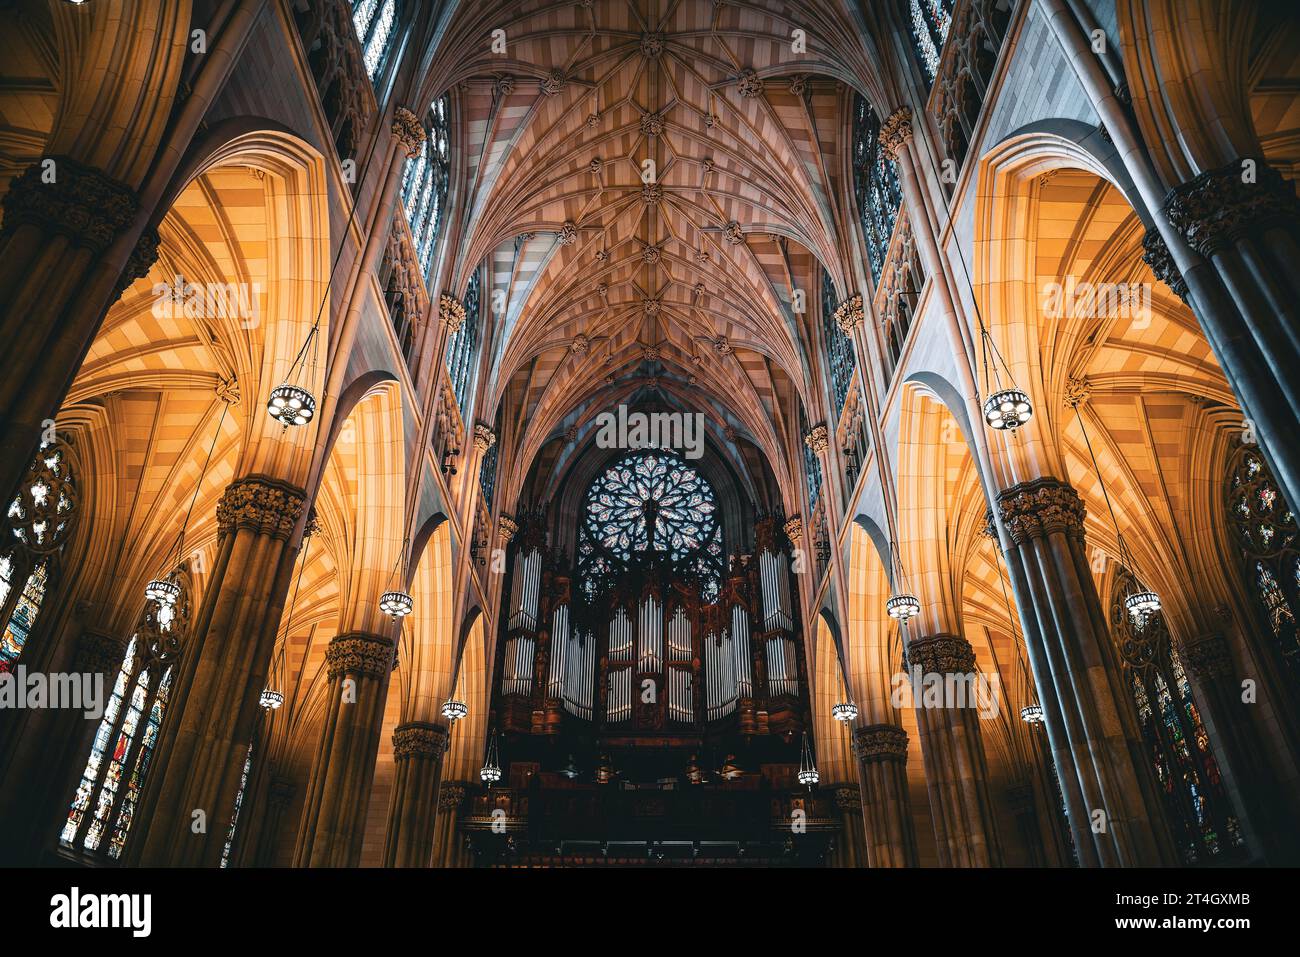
(338, 69)
(970, 55)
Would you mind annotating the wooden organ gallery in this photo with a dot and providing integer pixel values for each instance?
(653, 690)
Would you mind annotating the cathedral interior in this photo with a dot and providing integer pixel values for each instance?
(649, 433)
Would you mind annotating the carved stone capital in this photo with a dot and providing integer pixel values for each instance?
(941, 655)
(1217, 208)
(1156, 255)
(57, 194)
(261, 505)
(794, 529)
(848, 799)
(749, 84)
(818, 439)
(1077, 391)
(1208, 656)
(880, 742)
(418, 738)
(143, 255)
(359, 654)
(450, 795)
(98, 652)
(507, 527)
(896, 131)
(484, 438)
(1041, 507)
(408, 130)
(451, 312)
(850, 313)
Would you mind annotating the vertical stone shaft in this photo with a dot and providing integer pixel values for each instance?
(886, 806)
(418, 748)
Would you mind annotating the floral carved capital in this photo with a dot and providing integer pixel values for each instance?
(260, 505)
(359, 654)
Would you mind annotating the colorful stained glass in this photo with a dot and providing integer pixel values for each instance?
(651, 493)
(374, 21)
(425, 182)
(930, 20)
(876, 188)
(23, 618)
(839, 347)
(239, 802)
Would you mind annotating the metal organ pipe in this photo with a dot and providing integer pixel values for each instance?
(559, 652)
(774, 577)
(744, 662)
(720, 671)
(681, 695)
(525, 591)
(580, 675)
(650, 635)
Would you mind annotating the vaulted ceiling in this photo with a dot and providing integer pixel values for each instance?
(657, 188)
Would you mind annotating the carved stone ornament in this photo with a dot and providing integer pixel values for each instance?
(228, 390)
(595, 164)
(507, 527)
(360, 655)
(1208, 656)
(554, 82)
(941, 654)
(733, 233)
(650, 353)
(98, 652)
(652, 45)
(652, 194)
(880, 742)
(503, 85)
(848, 799)
(484, 438)
(87, 206)
(1217, 208)
(1041, 507)
(1077, 391)
(451, 312)
(818, 439)
(409, 131)
(1155, 253)
(651, 255)
(850, 313)
(450, 795)
(749, 84)
(261, 505)
(794, 529)
(143, 255)
(580, 345)
(650, 305)
(896, 131)
(722, 347)
(652, 124)
(799, 85)
(568, 233)
(416, 738)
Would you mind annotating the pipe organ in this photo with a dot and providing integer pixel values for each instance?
(649, 655)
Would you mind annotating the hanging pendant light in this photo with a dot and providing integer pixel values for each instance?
(165, 591)
(490, 773)
(903, 606)
(808, 774)
(844, 711)
(1007, 410)
(397, 604)
(1140, 604)
(1032, 714)
(271, 699)
(454, 710)
(291, 405)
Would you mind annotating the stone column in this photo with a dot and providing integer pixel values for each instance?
(279, 796)
(886, 807)
(1266, 820)
(418, 748)
(215, 706)
(333, 819)
(956, 773)
(850, 844)
(448, 846)
(1114, 809)
(48, 753)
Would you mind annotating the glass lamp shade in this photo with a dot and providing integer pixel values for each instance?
(844, 711)
(1142, 603)
(398, 604)
(490, 774)
(291, 405)
(163, 590)
(454, 710)
(809, 777)
(1007, 410)
(271, 700)
(1032, 714)
(903, 607)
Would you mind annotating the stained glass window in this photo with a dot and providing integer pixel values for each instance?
(930, 20)
(875, 186)
(839, 347)
(1197, 805)
(425, 182)
(487, 475)
(462, 346)
(1267, 533)
(239, 802)
(25, 609)
(650, 500)
(374, 21)
(105, 802)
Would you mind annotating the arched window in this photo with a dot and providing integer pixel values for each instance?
(1197, 806)
(374, 21)
(1266, 531)
(239, 802)
(425, 182)
(104, 806)
(487, 475)
(930, 20)
(875, 186)
(462, 347)
(839, 347)
(40, 518)
(643, 494)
